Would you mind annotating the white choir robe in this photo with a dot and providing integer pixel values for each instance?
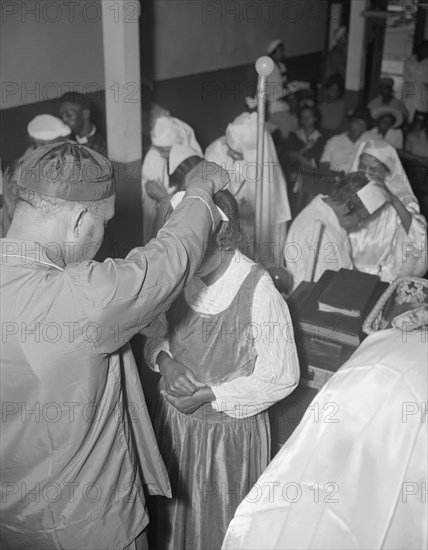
(381, 246)
(334, 248)
(353, 474)
(275, 205)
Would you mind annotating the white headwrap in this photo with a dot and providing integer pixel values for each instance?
(397, 180)
(47, 128)
(241, 134)
(166, 132)
(178, 154)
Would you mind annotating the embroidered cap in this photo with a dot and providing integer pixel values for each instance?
(68, 171)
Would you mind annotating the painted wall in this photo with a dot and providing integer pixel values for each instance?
(194, 36)
(49, 47)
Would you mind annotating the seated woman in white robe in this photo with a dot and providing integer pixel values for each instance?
(166, 132)
(393, 243)
(353, 474)
(225, 353)
(319, 237)
(237, 153)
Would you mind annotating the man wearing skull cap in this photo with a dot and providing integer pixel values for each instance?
(41, 130)
(77, 443)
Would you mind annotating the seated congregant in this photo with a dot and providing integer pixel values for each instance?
(166, 132)
(387, 126)
(282, 122)
(41, 130)
(394, 242)
(340, 150)
(211, 418)
(236, 151)
(332, 108)
(386, 98)
(318, 238)
(75, 110)
(417, 139)
(306, 144)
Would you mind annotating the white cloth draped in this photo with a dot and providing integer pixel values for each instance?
(334, 249)
(353, 474)
(276, 206)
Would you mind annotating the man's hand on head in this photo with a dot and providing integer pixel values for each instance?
(208, 176)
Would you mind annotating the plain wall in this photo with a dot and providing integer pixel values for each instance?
(48, 48)
(193, 36)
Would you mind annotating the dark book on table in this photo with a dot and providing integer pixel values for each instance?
(348, 293)
(330, 326)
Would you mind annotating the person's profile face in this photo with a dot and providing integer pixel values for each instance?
(373, 168)
(72, 115)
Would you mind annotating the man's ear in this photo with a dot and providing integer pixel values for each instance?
(77, 221)
(86, 114)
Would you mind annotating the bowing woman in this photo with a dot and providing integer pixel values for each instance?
(224, 357)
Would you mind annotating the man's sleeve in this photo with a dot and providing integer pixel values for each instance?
(122, 297)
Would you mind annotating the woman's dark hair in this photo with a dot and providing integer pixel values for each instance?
(230, 236)
(348, 186)
(176, 179)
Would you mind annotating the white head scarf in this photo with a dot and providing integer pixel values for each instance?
(397, 180)
(241, 134)
(178, 154)
(166, 132)
(47, 128)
